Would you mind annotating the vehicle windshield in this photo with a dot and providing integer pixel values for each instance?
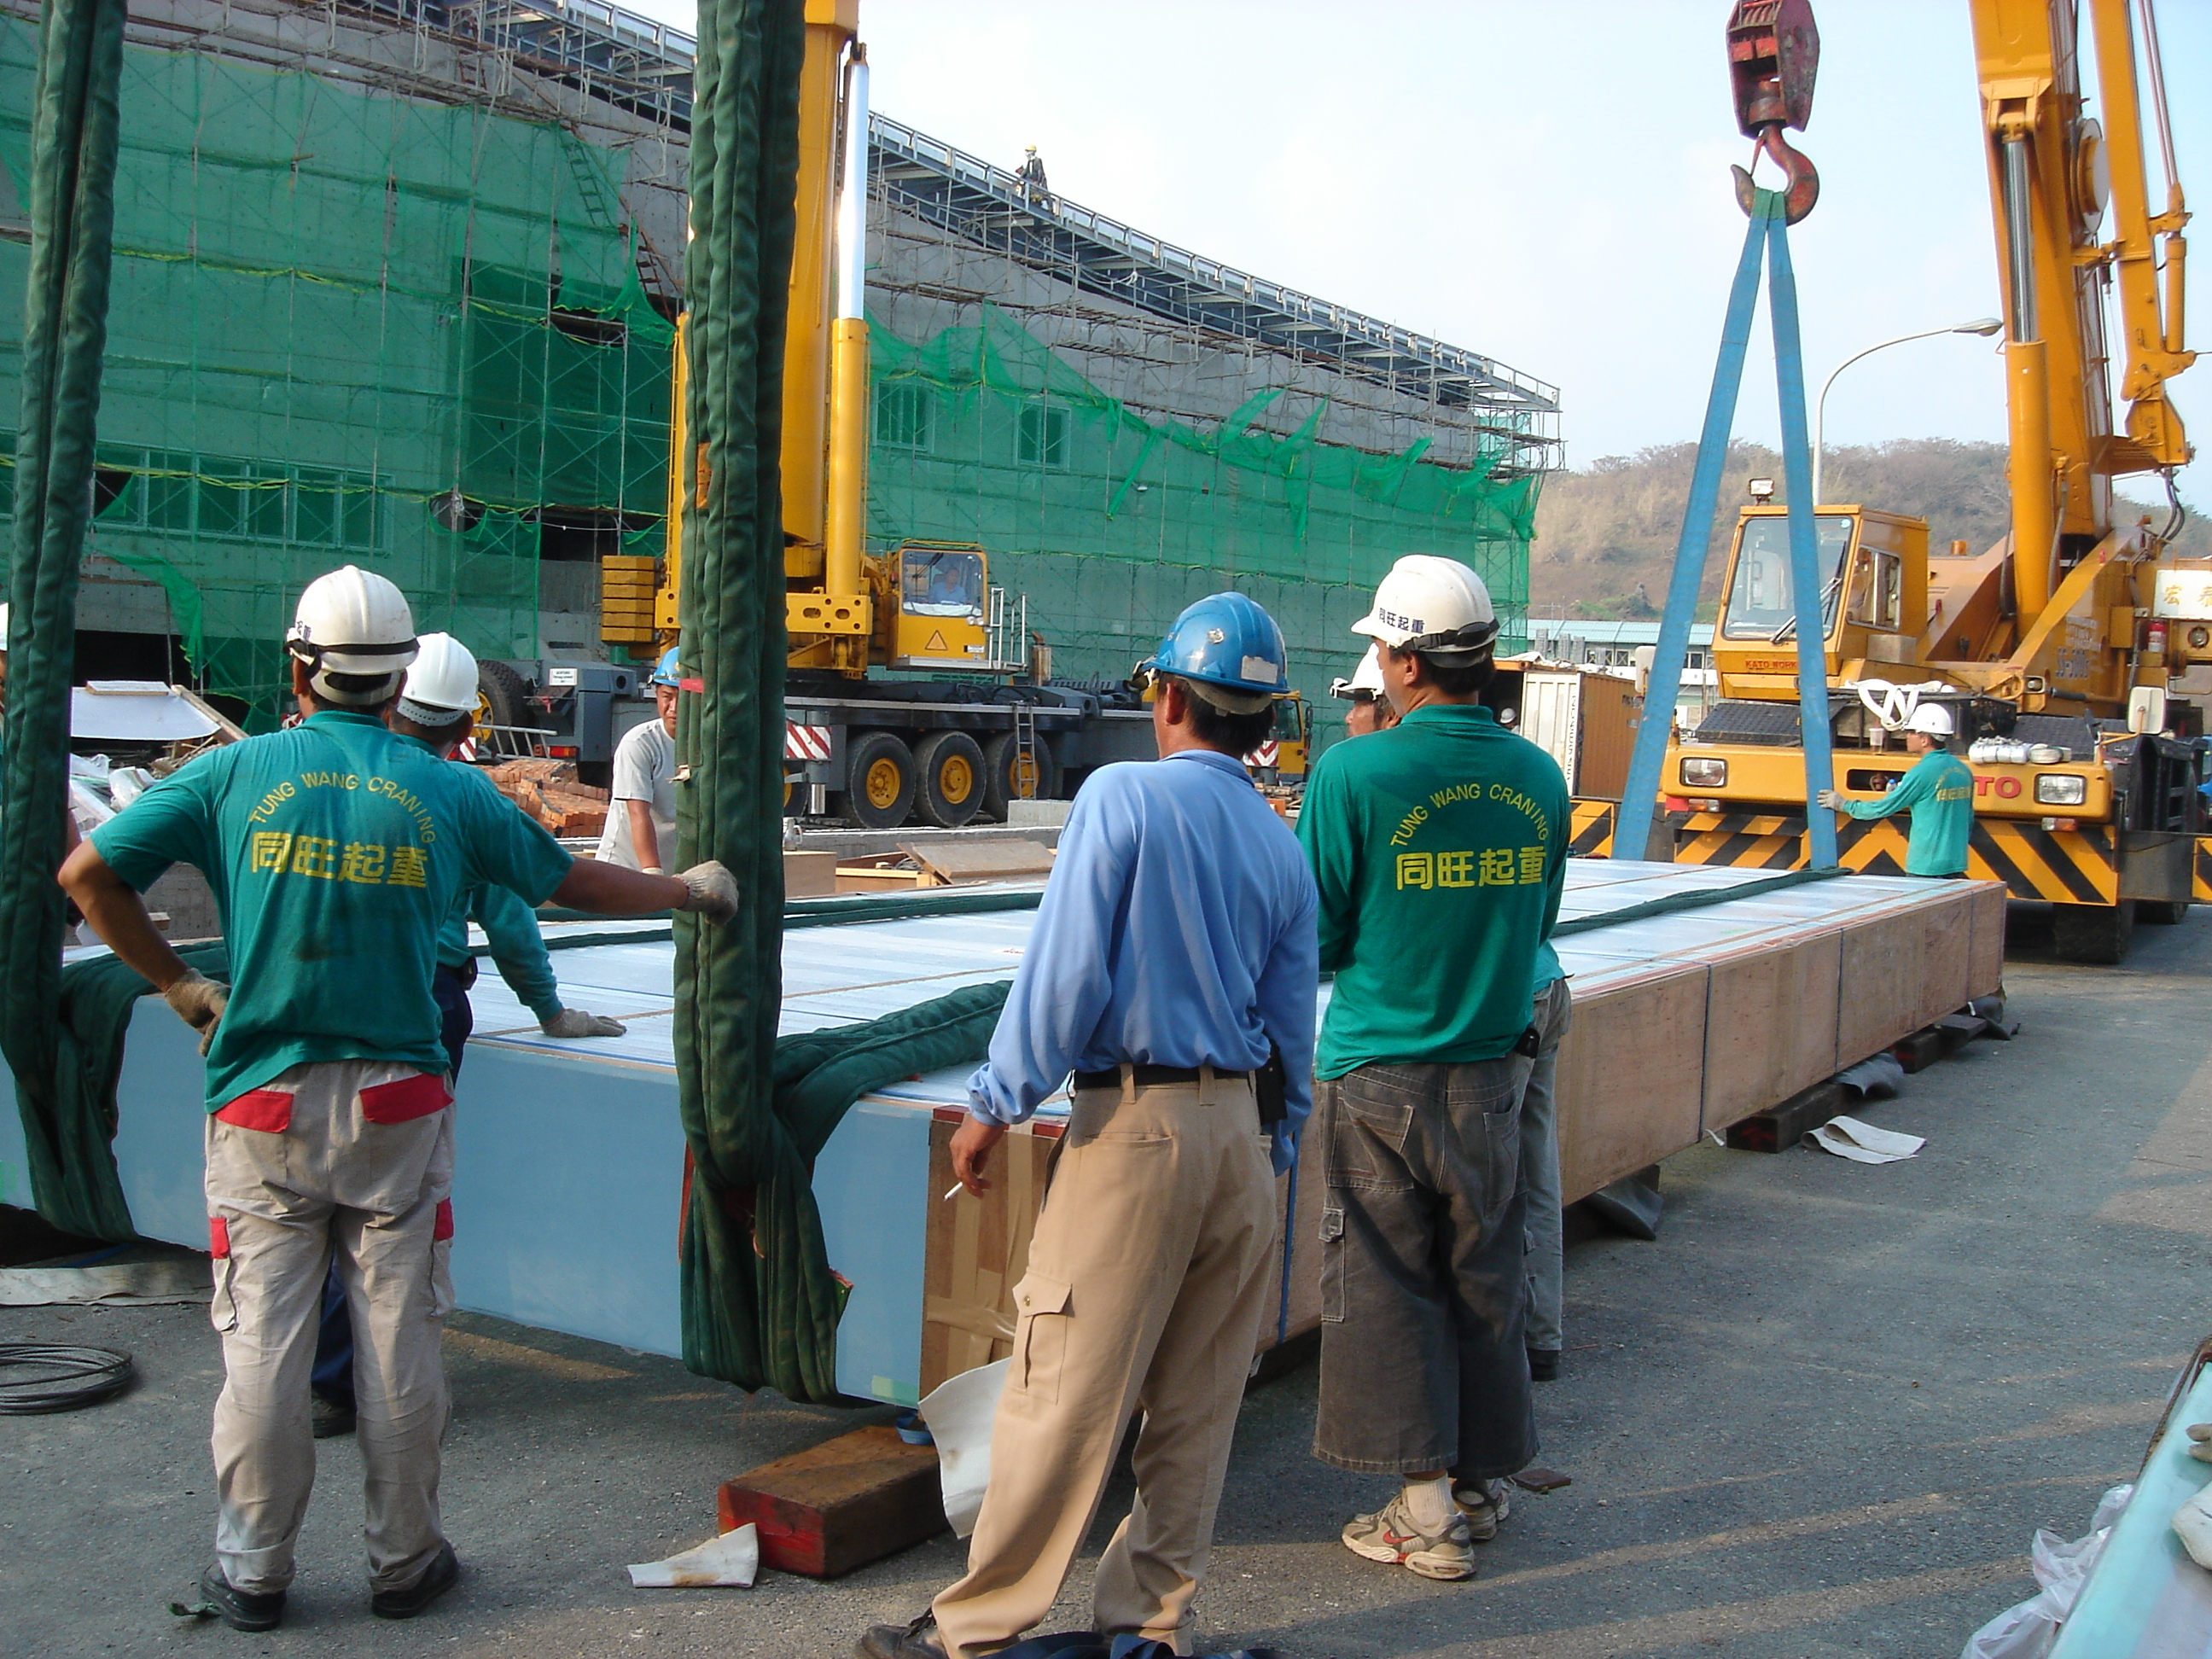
(1761, 605)
(941, 582)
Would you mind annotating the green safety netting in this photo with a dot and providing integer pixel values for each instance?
(1108, 520)
(352, 328)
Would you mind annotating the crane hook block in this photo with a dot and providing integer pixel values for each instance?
(1774, 50)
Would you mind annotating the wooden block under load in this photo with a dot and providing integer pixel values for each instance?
(1632, 1075)
(841, 1504)
(975, 1249)
(1770, 1026)
(1779, 1130)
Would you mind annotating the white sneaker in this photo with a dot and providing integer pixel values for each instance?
(1484, 1504)
(1391, 1535)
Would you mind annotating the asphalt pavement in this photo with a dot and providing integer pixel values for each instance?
(1824, 1414)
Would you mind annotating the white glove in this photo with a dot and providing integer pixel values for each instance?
(575, 1022)
(1829, 798)
(713, 892)
(199, 1002)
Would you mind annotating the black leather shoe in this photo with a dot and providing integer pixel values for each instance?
(329, 1417)
(444, 1573)
(240, 1609)
(917, 1640)
(1543, 1365)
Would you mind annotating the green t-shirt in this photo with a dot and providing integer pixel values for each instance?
(337, 850)
(1440, 848)
(1939, 793)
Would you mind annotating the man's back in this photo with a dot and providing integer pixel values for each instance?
(1440, 850)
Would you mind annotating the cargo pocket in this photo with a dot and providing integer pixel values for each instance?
(1332, 1266)
(1042, 1305)
(442, 1261)
(406, 1099)
(222, 1303)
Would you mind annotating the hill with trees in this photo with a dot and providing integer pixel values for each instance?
(1605, 535)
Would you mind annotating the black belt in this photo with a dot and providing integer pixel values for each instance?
(466, 974)
(1148, 1076)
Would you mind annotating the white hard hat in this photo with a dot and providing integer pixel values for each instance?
(1435, 606)
(354, 622)
(1932, 717)
(441, 683)
(1366, 679)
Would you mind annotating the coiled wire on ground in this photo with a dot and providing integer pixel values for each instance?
(62, 1378)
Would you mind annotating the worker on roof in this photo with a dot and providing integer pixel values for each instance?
(1368, 711)
(1440, 850)
(1938, 792)
(337, 851)
(641, 827)
(437, 709)
(1171, 969)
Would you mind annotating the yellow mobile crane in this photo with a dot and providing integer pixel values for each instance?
(2055, 649)
(876, 752)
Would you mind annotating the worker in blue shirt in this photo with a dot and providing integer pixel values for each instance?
(437, 709)
(1173, 970)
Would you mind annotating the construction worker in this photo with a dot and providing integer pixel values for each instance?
(640, 828)
(437, 709)
(1440, 850)
(1938, 792)
(1368, 711)
(1172, 956)
(337, 851)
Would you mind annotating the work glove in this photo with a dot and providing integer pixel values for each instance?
(199, 1002)
(575, 1022)
(713, 891)
(2200, 1441)
(1829, 798)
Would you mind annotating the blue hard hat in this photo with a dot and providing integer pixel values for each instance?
(1225, 640)
(668, 671)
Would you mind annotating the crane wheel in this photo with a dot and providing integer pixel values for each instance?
(1011, 775)
(879, 779)
(2094, 934)
(950, 790)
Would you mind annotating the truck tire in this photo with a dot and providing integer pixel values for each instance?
(502, 699)
(948, 790)
(2093, 933)
(2162, 912)
(879, 779)
(1003, 768)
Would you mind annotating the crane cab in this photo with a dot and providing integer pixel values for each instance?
(1873, 598)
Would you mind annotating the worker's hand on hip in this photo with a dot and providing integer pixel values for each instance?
(971, 1149)
(199, 1002)
(575, 1022)
(1830, 798)
(713, 891)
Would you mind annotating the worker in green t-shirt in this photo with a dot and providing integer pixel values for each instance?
(336, 851)
(1938, 792)
(1439, 847)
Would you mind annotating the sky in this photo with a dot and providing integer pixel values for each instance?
(1545, 184)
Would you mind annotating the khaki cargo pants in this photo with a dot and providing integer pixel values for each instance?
(348, 1160)
(1145, 1291)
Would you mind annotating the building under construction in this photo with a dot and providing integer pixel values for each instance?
(394, 284)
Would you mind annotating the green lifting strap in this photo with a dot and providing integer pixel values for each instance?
(73, 144)
(760, 1304)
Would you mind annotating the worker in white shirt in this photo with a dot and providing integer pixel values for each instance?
(640, 832)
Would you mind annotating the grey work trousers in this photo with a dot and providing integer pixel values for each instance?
(1145, 1291)
(1540, 1168)
(351, 1160)
(1423, 1357)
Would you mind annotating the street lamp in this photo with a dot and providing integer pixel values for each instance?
(1984, 326)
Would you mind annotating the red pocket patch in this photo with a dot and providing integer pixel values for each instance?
(269, 1110)
(218, 1237)
(406, 1099)
(443, 1227)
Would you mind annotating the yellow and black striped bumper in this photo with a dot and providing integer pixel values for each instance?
(2200, 887)
(1592, 836)
(2063, 866)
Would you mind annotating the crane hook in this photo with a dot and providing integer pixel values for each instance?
(1804, 187)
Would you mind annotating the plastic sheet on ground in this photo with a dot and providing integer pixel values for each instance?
(730, 1561)
(2029, 1630)
(1862, 1143)
(118, 1283)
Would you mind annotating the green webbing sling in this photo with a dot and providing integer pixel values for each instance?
(73, 142)
(760, 1304)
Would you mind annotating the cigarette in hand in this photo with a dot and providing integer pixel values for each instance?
(953, 1193)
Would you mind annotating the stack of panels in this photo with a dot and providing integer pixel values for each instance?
(572, 1160)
